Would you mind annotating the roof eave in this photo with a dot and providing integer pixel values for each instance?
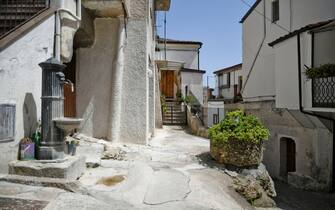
(250, 11)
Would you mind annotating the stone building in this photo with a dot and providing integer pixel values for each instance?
(109, 50)
(280, 38)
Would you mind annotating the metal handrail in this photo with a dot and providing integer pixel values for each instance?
(14, 14)
(198, 107)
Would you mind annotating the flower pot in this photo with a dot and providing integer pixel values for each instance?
(27, 151)
(237, 153)
(72, 148)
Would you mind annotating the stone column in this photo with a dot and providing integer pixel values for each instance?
(52, 143)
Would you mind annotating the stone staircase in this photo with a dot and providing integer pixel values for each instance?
(14, 13)
(174, 114)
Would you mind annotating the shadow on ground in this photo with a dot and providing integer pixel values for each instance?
(290, 198)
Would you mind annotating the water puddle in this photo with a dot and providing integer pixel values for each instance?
(111, 181)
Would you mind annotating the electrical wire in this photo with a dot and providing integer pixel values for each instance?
(268, 19)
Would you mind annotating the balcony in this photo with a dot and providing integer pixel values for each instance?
(323, 92)
(107, 8)
(162, 5)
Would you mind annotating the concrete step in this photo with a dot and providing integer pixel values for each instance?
(175, 113)
(174, 109)
(71, 186)
(171, 120)
(174, 123)
(71, 168)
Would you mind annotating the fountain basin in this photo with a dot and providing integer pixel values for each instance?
(67, 124)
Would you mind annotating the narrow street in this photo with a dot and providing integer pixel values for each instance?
(174, 172)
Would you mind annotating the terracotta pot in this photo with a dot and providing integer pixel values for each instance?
(237, 153)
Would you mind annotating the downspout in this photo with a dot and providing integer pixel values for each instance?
(199, 57)
(313, 114)
(125, 17)
(259, 49)
(77, 17)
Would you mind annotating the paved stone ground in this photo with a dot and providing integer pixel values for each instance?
(165, 175)
(174, 172)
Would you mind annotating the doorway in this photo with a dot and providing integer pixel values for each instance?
(287, 156)
(167, 84)
(70, 88)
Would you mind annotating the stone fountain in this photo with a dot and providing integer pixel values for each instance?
(52, 161)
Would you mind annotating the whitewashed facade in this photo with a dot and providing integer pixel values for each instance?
(229, 82)
(300, 147)
(183, 57)
(115, 85)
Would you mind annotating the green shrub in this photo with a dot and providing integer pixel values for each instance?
(189, 99)
(238, 125)
(179, 94)
(326, 70)
(163, 104)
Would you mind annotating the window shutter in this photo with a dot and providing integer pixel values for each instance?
(7, 122)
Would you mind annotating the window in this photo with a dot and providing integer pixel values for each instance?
(224, 80)
(215, 119)
(275, 11)
(7, 122)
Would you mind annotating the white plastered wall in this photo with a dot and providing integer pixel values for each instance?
(95, 67)
(187, 54)
(194, 83)
(20, 82)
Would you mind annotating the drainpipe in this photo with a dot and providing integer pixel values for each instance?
(259, 49)
(199, 57)
(313, 114)
(77, 17)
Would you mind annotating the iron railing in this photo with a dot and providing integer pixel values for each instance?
(175, 117)
(323, 92)
(14, 13)
(197, 108)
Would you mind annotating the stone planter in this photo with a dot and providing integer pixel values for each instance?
(237, 153)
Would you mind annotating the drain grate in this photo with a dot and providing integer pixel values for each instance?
(21, 204)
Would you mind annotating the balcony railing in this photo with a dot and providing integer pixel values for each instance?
(323, 92)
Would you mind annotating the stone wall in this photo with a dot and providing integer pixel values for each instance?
(312, 139)
(195, 125)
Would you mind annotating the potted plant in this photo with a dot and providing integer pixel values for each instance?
(238, 140)
(179, 95)
(323, 80)
(323, 71)
(72, 145)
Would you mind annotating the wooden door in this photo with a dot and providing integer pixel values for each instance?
(290, 155)
(69, 101)
(167, 84)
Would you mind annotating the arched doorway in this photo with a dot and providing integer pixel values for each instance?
(287, 156)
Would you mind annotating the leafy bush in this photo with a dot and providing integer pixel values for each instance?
(163, 104)
(238, 125)
(179, 94)
(189, 99)
(326, 70)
